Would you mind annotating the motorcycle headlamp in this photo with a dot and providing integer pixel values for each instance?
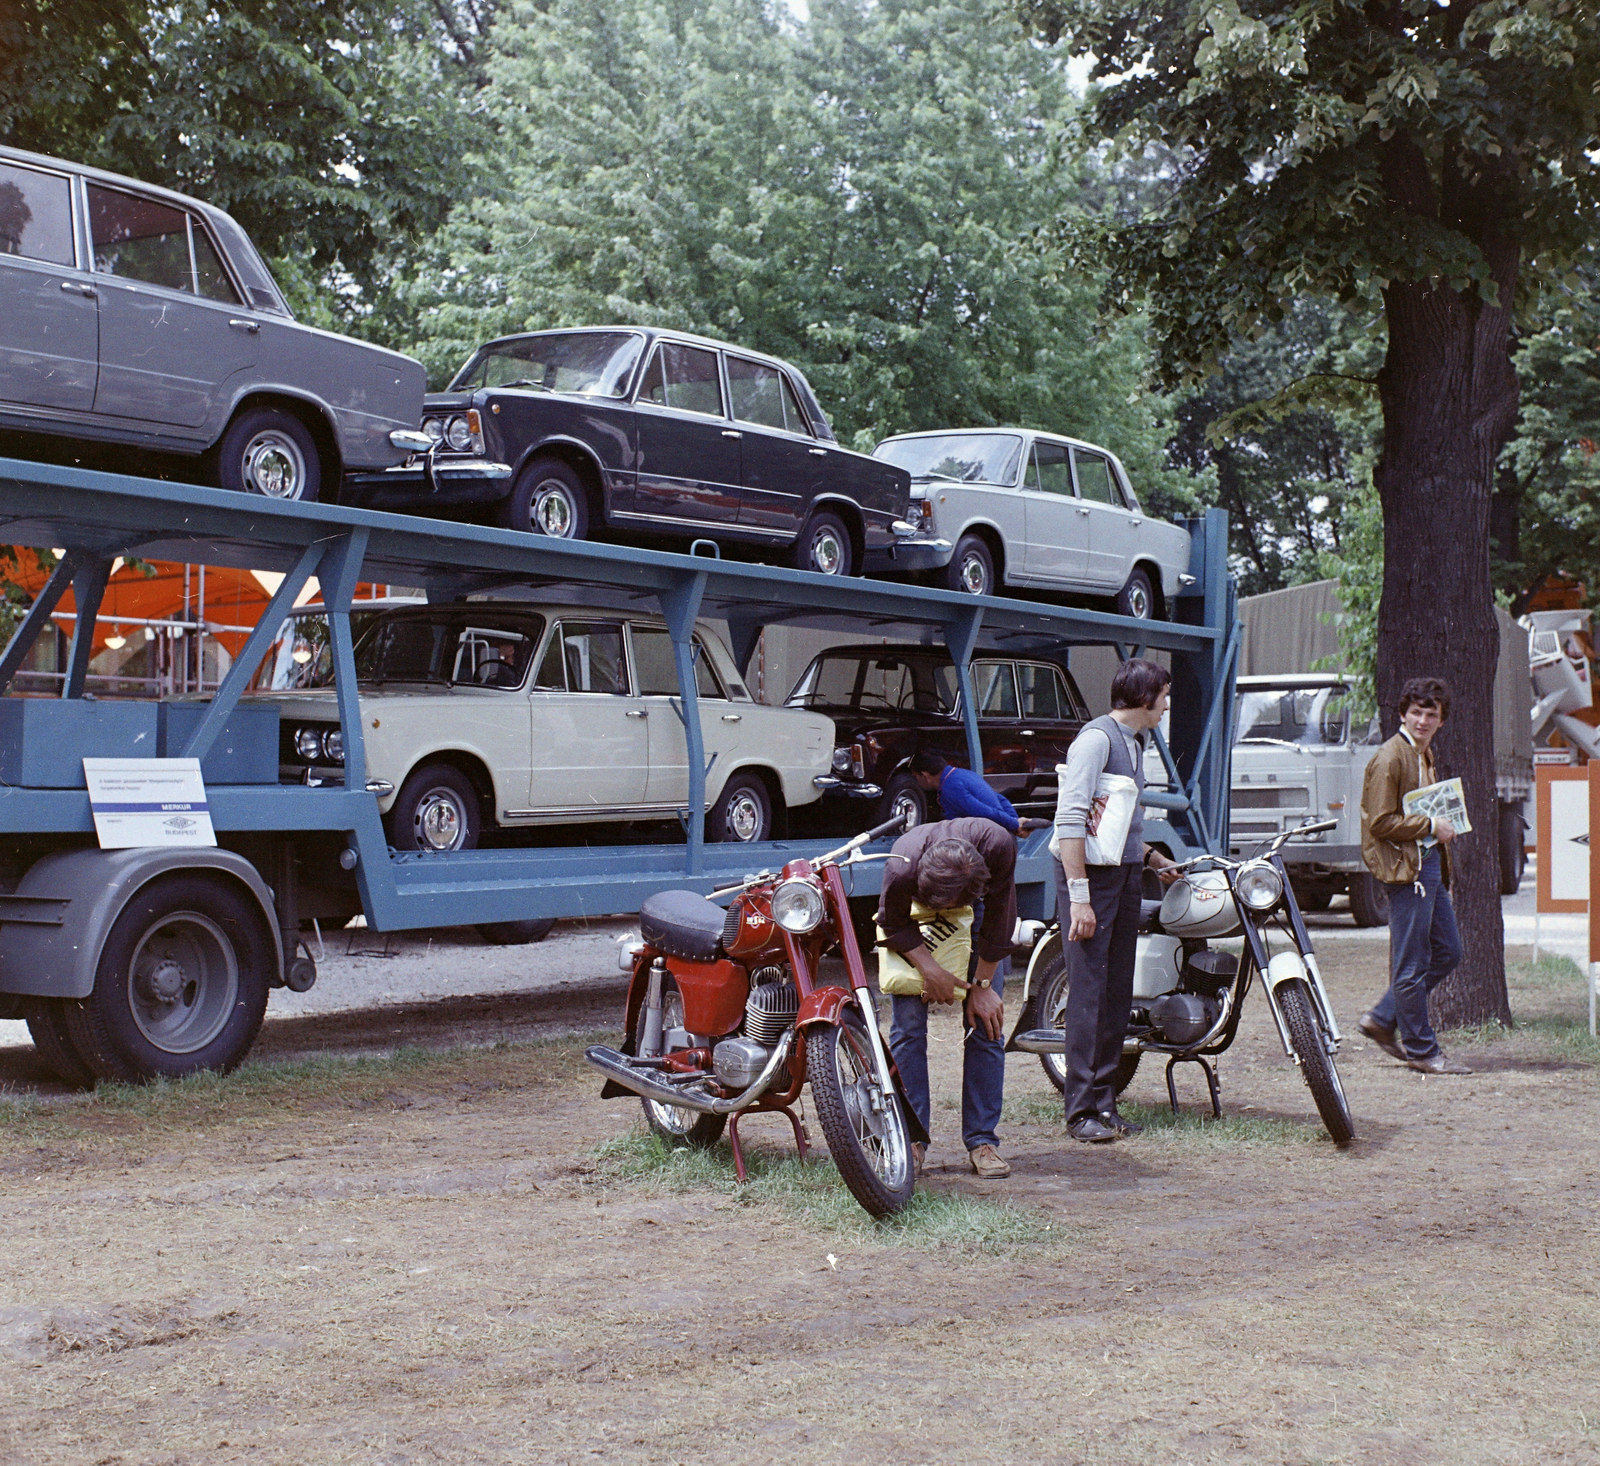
(1259, 885)
(797, 907)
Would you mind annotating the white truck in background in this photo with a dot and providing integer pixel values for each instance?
(1296, 756)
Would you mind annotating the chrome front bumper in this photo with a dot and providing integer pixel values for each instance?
(828, 784)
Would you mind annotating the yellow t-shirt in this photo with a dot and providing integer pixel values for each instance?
(946, 934)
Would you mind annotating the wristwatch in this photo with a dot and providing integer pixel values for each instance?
(979, 982)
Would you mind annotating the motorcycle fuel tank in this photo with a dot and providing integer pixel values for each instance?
(1200, 905)
(1158, 966)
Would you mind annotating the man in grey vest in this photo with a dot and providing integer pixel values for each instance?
(1099, 904)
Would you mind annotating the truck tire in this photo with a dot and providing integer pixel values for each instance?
(47, 1026)
(1369, 901)
(1513, 850)
(181, 984)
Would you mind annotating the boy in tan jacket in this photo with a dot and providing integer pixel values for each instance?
(1410, 855)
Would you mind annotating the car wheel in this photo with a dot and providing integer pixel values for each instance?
(270, 451)
(516, 933)
(435, 811)
(824, 546)
(904, 800)
(971, 568)
(1136, 598)
(743, 813)
(549, 499)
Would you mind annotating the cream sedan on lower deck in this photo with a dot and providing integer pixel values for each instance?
(484, 715)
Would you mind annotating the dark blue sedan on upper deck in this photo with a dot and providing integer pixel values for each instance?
(655, 437)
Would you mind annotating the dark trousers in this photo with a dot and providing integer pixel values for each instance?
(1424, 949)
(1100, 991)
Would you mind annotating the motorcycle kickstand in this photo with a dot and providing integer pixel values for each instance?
(1211, 1083)
(738, 1149)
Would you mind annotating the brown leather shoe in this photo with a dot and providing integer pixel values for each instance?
(987, 1162)
(919, 1153)
(1383, 1037)
(1439, 1063)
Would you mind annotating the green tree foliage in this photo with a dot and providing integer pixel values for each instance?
(331, 131)
(866, 193)
(1432, 157)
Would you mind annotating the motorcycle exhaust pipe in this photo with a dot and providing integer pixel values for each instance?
(1040, 1041)
(646, 1084)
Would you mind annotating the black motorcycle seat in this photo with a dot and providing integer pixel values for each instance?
(1150, 916)
(682, 924)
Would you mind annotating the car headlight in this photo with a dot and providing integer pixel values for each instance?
(841, 760)
(459, 434)
(1259, 885)
(434, 428)
(797, 906)
(333, 745)
(308, 743)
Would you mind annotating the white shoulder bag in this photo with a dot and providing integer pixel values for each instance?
(1116, 797)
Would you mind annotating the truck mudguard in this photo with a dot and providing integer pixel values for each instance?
(53, 929)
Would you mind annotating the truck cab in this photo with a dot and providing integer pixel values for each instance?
(1298, 755)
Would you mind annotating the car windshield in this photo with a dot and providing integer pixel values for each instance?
(968, 458)
(1298, 715)
(478, 649)
(592, 363)
(301, 656)
(883, 680)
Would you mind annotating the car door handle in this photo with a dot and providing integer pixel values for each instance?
(72, 287)
(817, 452)
(1027, 732)
(637, 713)
(732, 433)
(1082, 510)
(251, 326)
(732, 718)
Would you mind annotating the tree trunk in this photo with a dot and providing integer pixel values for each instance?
(1449, 398)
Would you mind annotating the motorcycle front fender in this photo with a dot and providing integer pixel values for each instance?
(826, 1007)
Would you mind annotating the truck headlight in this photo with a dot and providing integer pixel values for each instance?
(308, 743)
(797, 907)
(1259, 885)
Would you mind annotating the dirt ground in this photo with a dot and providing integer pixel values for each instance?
(427, 1258)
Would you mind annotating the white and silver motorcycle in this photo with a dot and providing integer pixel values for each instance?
(1187, 996)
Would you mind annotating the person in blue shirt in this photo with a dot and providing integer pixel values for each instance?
(963, 794)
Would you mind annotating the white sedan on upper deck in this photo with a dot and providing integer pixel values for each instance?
(1008, 506)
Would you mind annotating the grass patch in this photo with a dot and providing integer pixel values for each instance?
(811, 1194)
(1191, 1131)
(1556, 990)
(278, 1089)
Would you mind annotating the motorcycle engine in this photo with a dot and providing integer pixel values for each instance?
(769, 1013)
(1209, 972)
(1182, 1018)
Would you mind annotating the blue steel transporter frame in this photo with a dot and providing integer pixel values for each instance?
(53, 924)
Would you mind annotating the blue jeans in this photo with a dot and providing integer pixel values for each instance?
(983, 1065)
(1424, 949)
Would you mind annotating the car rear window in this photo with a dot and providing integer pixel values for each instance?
(969, 458)
(656, 671)
(35, 215)
(762, 395)
(1096, 483)
(142, 239)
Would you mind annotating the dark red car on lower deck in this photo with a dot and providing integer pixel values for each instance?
(886, 702)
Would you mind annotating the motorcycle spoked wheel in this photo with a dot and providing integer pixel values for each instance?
(1051, 1010)
(675, 1125)
(870, 1142)
(1316, 1064)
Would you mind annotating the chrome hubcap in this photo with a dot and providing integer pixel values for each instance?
(974, 576)
(744, 817)
(552, 511)
(183, 982)
(440, 822)
(274, 466)
(827, 554)
(907, 810)
(1139, 602)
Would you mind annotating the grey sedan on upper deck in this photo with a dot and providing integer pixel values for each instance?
(1008, 506)
(131, 314)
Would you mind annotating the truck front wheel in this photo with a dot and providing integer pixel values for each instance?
(181, 984)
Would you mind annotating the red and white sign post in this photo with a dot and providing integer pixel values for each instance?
(1569, 881)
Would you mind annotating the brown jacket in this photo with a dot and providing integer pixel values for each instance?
(1389, 837)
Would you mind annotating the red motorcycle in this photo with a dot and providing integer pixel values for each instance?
(726, 1016)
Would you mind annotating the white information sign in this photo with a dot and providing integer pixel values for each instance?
(1569, 842)
(148, 801)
